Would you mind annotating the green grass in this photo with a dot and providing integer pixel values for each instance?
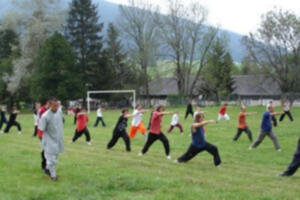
(91, 172)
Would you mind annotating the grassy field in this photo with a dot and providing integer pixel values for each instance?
(92, 172)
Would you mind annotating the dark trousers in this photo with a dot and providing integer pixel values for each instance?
(274, 121)
(294, 165)
(35, 131)
(193, 151)
(188, 112)
(240, 131)
(44, 162)
(152, 138)
(288, 113)
(78, 134)
(101, 120)
(75, 118)
(1, 123)
(10, 124)
(115, 137)
(177, 125)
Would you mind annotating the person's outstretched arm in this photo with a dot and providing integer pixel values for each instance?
(204, 123)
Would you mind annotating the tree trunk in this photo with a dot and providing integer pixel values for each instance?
(146, 85)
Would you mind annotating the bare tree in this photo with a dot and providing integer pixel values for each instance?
(187, 39)
(137, 24)
(275, 47)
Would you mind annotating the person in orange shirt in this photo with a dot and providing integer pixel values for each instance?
(242, 125)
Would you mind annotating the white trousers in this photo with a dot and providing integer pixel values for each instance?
(51, 160)
(226, 116)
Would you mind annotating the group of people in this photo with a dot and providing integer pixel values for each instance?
(12, 121)
(48, 126)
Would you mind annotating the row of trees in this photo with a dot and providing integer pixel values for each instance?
(45, 50)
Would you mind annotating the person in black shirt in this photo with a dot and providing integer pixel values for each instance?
(189, 109)
(295, 163)
(12, 121)
(120, 131)
(77, 110)
(3, 117)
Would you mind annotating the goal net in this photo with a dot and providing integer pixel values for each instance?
(111, 99)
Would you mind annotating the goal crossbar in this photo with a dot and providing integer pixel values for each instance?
(110, 92)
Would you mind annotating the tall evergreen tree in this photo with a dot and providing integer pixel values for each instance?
(117, 58)
(8, 40)
(217, 76)
(56, 73)
(83, 30)
(9, 50)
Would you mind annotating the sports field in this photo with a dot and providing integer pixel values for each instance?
(92, 172)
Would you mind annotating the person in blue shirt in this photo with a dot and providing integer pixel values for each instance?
(266, 129)
(199, 142)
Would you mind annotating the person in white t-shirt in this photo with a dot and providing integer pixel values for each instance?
(286, 109)
(36, 116)
(197, 111)
(175, 123)
(137, 123)
(99, 117)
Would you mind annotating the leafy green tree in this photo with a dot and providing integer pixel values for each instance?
(9, 50)
(83, 31)
(217, 75)
(275, 48)
(56, 73)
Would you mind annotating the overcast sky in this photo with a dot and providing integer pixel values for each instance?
(241, 16)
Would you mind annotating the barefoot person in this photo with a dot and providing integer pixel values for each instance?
(51, 124)
(295, 164)
(266, 129)
(156, 133)
(242, 125)
(175, 123)
(99, 117)
(286, 109)
(223, 113)
(12, 121)
(81, 126)
(120, 131)
(137, 123)
(199, 142)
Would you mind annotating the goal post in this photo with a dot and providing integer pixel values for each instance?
(110, 92)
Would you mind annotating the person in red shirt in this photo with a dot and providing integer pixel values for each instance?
(242, 125)
(223, 113)
(155, 132)
(42, 110)
(81, 126)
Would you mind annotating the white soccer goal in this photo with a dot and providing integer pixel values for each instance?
(110, 92)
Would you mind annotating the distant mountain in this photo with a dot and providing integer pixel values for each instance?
(109, 12)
